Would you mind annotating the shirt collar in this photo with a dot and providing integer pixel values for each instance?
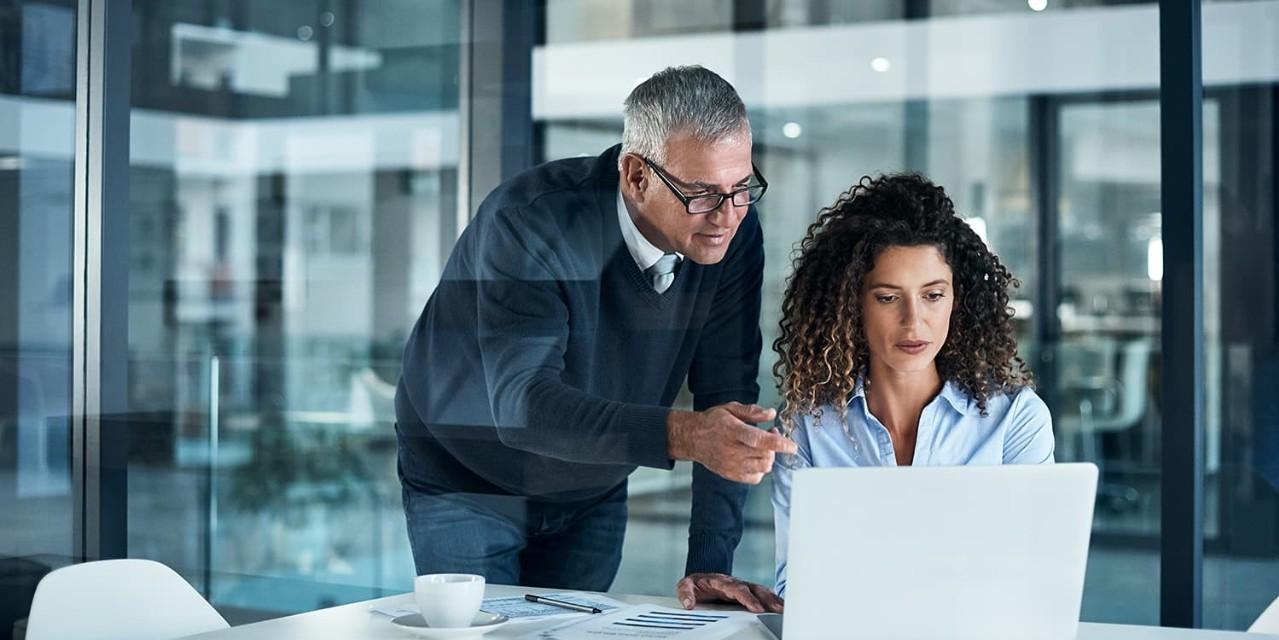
(950, 392)
(645, 253)
(959, 401)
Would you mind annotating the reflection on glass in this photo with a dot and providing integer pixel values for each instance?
(37, 121)
(293, 172)
(1107, 361)
(587, 20)
(1241, 317)
(1109, 225)
(594, 20)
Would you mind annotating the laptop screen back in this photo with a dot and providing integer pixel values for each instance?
(933, 552)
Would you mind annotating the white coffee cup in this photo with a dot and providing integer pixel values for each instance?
(448, 599)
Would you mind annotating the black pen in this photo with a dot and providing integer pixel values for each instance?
(560, 603)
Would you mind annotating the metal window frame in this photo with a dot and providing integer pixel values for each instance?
(1274, 196)
(1182, 341)
(1043, 149)
(495, 96)
(100, 280)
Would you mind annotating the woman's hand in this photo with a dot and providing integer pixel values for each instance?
(717, 587)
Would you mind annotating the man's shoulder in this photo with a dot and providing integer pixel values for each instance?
(565, 187)
(553, 212)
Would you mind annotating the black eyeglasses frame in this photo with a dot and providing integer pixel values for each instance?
(731, 196)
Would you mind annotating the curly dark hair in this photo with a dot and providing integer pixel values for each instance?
(821, 346)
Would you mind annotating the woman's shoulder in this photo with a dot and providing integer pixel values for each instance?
(1026, 402)
(1019, 404)
(1020, 412)
(1029, 435)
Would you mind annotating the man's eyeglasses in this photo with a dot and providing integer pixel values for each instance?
(706, 203)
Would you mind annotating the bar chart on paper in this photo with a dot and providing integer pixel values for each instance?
(652, 623)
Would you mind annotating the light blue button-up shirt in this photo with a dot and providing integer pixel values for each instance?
(1017, 429)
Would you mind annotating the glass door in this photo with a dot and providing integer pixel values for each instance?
(37, 123)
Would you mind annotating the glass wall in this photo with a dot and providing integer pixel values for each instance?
(1241, 314)
(293, 195)
(37, 125)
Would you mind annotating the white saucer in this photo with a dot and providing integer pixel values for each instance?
(483, 623)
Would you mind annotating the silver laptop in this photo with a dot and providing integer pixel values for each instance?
(938, 552)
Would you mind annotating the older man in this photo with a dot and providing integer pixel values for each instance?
(542, 370)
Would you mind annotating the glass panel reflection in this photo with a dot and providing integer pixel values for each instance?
(37, 123)
(293, 194)
(1241, 316)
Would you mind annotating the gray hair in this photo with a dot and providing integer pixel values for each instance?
(681, 100)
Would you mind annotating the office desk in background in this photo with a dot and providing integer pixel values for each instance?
(357, 620)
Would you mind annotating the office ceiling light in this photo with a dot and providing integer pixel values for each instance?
(305, 33)
(792, 130)
(1037, 5)
(881, 65)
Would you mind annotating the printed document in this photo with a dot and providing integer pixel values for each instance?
(650, 623)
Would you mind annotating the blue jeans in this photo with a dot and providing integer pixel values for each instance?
(512, 539)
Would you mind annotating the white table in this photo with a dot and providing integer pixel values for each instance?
(359, 621)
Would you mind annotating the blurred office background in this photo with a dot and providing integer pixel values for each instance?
(299, 171)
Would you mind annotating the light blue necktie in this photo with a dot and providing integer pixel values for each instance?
(662, 274)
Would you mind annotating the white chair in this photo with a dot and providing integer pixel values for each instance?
(1268, 621)
(118, 599)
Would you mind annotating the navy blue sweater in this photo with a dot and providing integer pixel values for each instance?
(545, 364)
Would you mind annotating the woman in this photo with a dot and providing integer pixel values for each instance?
(897, 347)
(896, 344)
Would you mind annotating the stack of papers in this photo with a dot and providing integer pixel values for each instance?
(650, 623)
